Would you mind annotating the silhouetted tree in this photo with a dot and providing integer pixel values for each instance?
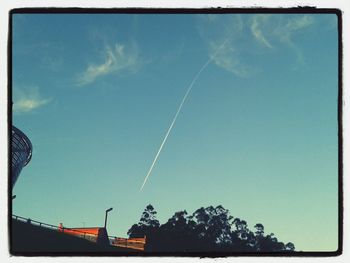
(289, 246)
(177, 234)
(259, 237)
(212, 225)
(177, 224)
(269, 243)
(207, 229)
(259, 229)
(148, 226)
(243, 239)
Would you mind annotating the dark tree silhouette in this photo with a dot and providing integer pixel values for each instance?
(207, 229)
(148, 226)
(242, 238)
(290, 246)
(259, 230)
(212, 226)
(178, 232)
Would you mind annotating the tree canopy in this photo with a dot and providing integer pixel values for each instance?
(210, 229)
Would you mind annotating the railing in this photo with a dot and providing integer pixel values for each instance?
(75, 232)
(134, 243)
(33, 222)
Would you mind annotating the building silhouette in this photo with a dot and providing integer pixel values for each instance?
(21, 148)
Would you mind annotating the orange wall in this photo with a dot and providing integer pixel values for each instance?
(80, 231)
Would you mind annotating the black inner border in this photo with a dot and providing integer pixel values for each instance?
(219, 10)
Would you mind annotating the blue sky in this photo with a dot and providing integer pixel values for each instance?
(257, 134)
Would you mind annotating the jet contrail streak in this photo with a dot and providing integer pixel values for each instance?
(178, 111)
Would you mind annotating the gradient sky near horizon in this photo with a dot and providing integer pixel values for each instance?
(96, 93)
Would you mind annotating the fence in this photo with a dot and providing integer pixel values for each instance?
(133, 243)
(78, 233)
(33, 222)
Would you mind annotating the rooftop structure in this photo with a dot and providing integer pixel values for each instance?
(21, 153)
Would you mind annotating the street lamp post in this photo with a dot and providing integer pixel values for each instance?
(108, 210)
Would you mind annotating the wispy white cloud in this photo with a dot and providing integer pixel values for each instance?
(298, 23)
(287, 28)
(217, 29)
(257, 22)
(244, 32)
(28, 99)
(115, 59)
(278, 27)
(227, 57)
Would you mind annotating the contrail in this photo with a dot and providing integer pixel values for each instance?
(178, 111)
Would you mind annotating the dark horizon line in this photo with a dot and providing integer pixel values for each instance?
(175, 10)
